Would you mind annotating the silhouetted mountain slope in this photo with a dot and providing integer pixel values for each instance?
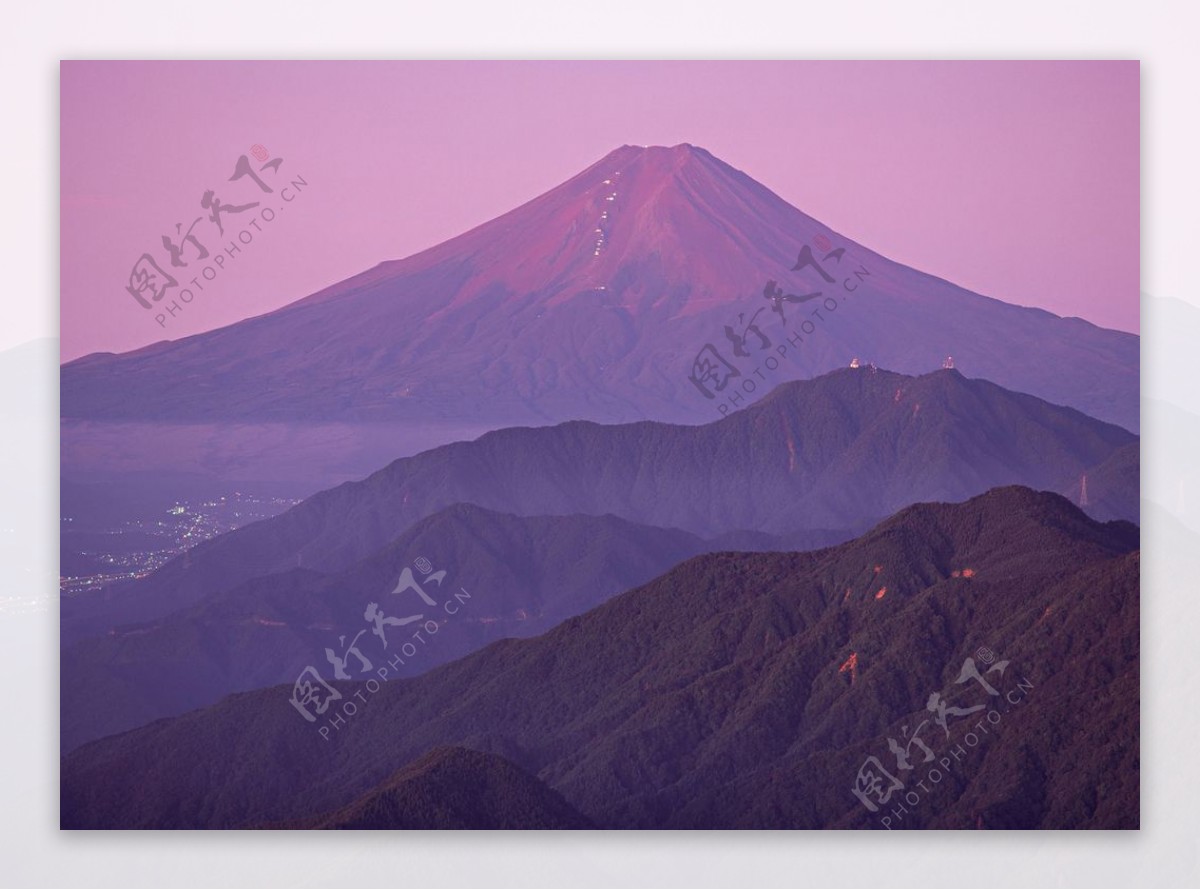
(832, 453)
(456, 788)
(737, 690)
(592, 301)
(526, 574)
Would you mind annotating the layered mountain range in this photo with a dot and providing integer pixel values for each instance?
(825, 457)
(736, 690)
(699, 568)
(526, 574)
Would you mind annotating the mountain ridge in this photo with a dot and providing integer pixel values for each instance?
(737, 690)
(455, 788)
(527, 575)
(834, 453)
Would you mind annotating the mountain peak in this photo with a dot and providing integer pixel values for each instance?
(453, 787)
(629, 230)
(657, 155)
(680, 149)
(869, 382)
(593, 301)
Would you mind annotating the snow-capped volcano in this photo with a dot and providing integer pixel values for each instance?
(654, 284)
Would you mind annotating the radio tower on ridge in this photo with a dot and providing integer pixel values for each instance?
(1083, 498)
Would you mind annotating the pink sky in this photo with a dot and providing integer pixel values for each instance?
(1017, 180)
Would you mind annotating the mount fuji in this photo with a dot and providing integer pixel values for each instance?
(637, 289)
